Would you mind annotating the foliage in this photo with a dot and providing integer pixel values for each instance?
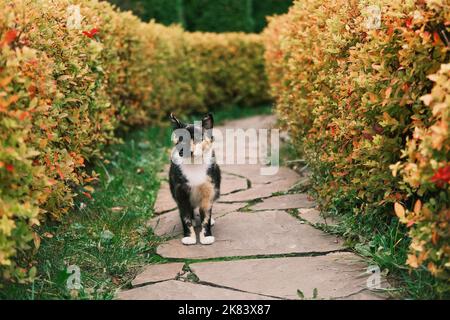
(218, 15)
(166, 12)
(353, 100)
(106, 237)
(65, 88)
(204, 15)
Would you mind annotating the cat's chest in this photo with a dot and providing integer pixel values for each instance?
(195, 174)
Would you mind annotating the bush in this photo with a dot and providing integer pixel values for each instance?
(64, 89)
(218, 15)
(351, 97)
(231, 66)
(264, 8)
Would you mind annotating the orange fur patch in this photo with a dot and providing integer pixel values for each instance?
(203, 195)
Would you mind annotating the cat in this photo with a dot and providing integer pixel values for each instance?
(194, 177)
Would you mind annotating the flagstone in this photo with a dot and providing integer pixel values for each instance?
(290, 201)
(178, 290)
(331, 276)
(232, 183)
(164, 201)
(313, 216)
(254, 234)
(158, 272)
(169, 224)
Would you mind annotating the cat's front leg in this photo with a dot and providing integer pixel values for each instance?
(206, 236)
(186, 215)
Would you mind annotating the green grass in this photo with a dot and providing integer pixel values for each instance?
(106, 237)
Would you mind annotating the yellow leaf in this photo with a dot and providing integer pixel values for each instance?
(426, 99)
(399, 210)
(7, 225)
(89, 189)
(412, 261)
(36, 240)
(417, 206)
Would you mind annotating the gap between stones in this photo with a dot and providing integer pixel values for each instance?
(255, 257)
(188, 262)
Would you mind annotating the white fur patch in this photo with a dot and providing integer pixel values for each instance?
(188, 241)
(213, 222)
(196, 174)
(207, 240)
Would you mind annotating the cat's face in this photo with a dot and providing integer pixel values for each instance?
(193, 140)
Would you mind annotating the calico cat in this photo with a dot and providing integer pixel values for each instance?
(194, 176)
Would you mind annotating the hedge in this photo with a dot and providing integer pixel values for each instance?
(369, 109)
(218, 15)
(265, 8)
(64, 89)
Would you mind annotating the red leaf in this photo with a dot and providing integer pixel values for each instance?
(377, 128)
(441, 177)
(410, 223)
(9, 167)
(436, 38)
(408, 22)
(91, 33)
(10, 36)
(88, 195)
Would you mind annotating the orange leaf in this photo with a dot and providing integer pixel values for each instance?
(417, 206)
(89, 189)
(36, 240)
(10, 36)
(399, 210)
(88, 195)
(436, 38)
(434, 237)
(61, 175)
(410, 223)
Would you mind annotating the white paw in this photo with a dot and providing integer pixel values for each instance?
(213, 222)
(188, 241)
(207, 240)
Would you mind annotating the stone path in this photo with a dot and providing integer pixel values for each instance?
(268, 236)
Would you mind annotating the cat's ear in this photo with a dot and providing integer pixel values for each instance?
(176, 124)
(208, 122)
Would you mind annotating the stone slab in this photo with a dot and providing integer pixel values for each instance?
(259, 191)
(231, 183)
(158, 272)
(289, 201)
(333, 275)
(169, 224)
(256, 233)
(313, 216)
(253, 173)
(254, 122)
(164, 201)
(178, 290)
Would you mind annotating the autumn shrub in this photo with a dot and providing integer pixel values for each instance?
(231, 66)
(69, 79)
(356, 99)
